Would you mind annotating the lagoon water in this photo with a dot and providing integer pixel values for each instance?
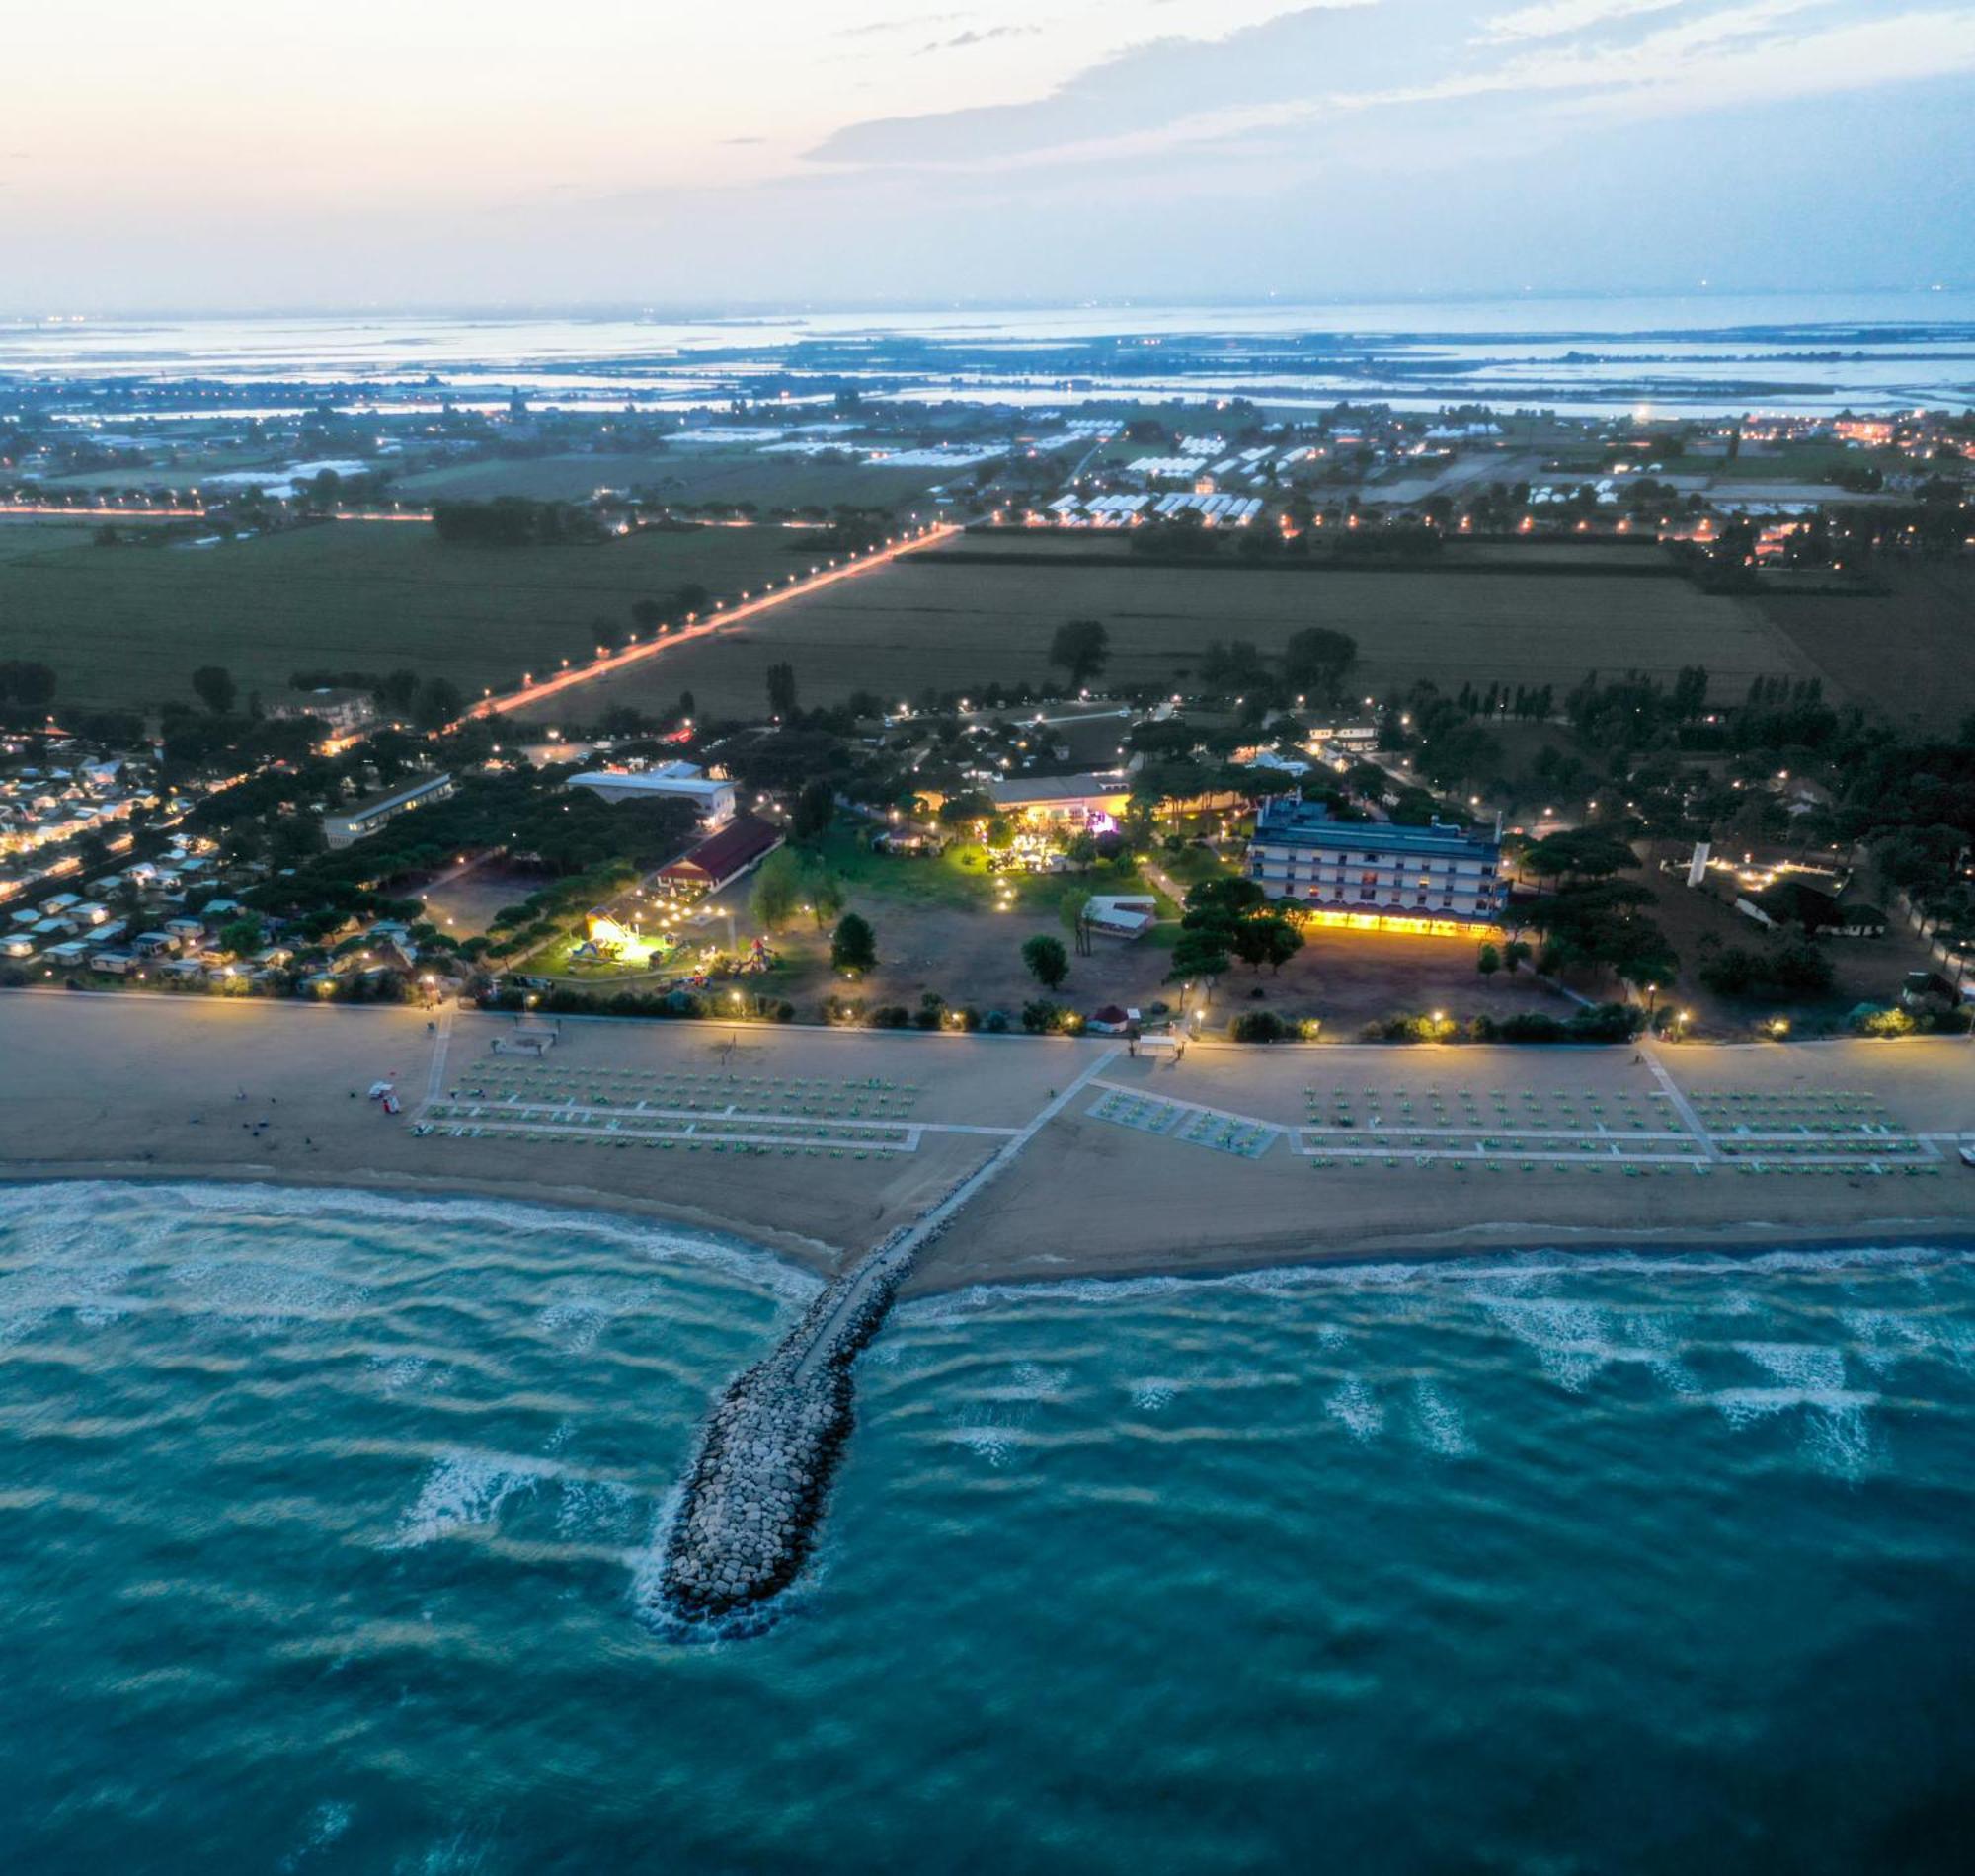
(327, 1518)
(1814, 352)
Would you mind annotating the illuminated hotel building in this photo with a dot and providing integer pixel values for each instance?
(1375, 875)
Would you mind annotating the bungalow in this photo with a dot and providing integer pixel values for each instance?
(17, 945)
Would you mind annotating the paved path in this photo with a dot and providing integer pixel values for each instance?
(890, 1258)
(436, 1074)
(1670, 1090)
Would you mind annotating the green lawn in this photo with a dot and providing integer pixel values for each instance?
(958, 879)
(128, 625)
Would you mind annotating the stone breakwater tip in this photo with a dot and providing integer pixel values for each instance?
(753, 1500)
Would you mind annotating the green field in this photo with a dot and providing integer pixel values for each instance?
(686, 474)
(21, 539)
(128, 625)
(926, 621)
(1909, 655)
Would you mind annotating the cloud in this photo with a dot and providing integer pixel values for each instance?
(972, 36)
(1327, 84)
(1160, 81)
(1728, 56)
(1556, 16)
(874, 28)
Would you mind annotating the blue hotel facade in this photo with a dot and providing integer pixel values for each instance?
(1375, 875)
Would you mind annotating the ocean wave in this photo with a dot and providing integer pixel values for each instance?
(60, 1206)
(1743, 1406)
(596, 1510)
(1355, 1408)
(323, 1826)
(465, 1489)
(1439, 1423)
(1802, 1365)
(1519, 1269)
(1839, 1441)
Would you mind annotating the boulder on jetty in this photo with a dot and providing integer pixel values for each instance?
(748, 1512)
(748, 1517)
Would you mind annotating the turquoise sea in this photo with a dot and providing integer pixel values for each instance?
(326, 1518)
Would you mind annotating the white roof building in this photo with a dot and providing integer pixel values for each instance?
(675, 781)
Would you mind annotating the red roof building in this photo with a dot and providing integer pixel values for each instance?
(745, 841)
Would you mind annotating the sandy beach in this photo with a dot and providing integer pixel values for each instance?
(1350, 1151)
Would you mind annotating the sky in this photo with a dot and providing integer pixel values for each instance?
(222, 155)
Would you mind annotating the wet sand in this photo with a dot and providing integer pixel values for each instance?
(149, 1088)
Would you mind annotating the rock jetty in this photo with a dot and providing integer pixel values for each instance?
(748, 1511)
(748, 1518)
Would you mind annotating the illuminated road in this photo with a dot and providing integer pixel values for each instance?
(56, 510)
(59, 510)
(532, 691)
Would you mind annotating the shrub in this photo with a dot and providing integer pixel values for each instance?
(1886, 1023)
(1261, 1026)
(1042, 1017)
(1797, 968)
(890, 1016)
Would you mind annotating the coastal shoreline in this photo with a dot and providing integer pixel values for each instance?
(1191, 1263)
(1112, 1173)
(810, 1256)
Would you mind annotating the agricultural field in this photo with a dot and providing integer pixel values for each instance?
(1910, 656)
(686, 474)
(128, 625)
(20, 539)
(1643, 557)
(931, 620)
